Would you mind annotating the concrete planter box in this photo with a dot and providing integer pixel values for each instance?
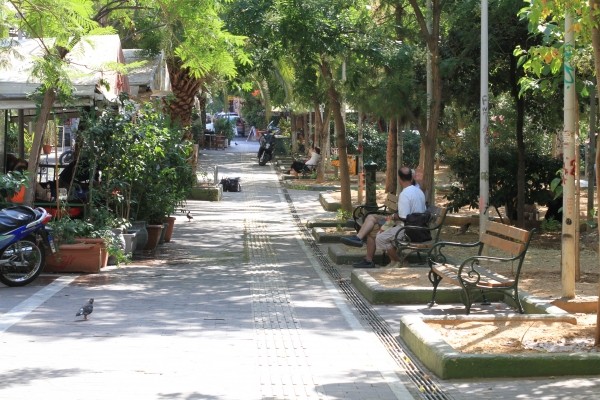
(207, 193)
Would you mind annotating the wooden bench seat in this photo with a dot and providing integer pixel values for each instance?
(479, 273)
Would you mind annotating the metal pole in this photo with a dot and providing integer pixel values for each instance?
(361, 173)
(590, 161)
(371, 184)
(484, 168)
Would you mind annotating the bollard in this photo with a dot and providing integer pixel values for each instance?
(371, 184)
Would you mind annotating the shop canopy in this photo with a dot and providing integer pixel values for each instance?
(91, 70)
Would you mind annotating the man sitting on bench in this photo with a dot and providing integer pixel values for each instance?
(411, 200)
(299, 166)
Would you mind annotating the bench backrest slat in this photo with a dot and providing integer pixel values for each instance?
(438, 215)
(518, 234)
(506, 238)
(513, 248)
(391, 202)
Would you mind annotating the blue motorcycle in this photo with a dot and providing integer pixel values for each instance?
(23, 243)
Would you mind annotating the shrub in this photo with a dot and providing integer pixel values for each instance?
(540, 170)
(375, 145)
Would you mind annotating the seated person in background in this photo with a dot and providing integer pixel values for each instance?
(299, 166)
(13, 163)
(47, 190)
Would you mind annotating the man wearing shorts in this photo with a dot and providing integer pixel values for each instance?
(411, 200)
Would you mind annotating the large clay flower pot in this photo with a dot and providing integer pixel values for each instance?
(170, 225)
(103, 250)
(154, 232)
(88, 255)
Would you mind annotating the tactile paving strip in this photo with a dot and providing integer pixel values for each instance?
(428, 388)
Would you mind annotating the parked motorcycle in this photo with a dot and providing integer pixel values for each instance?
(267, 145)
(23, 243)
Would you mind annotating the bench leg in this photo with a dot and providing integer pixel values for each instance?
(517, 301)
(468, 302)
(435, 280)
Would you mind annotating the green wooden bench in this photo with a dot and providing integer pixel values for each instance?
(501, 248)
(404, 246)
(389, 207)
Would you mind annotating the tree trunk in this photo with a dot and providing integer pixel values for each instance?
(390, 157)
(520, 104)
(185, 88)
(318, 139)
(266, 96)
(336, 110)
(34, 154)
(594, 7)
(429, 138)
(39, 131)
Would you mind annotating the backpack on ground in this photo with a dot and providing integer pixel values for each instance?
(231, 185)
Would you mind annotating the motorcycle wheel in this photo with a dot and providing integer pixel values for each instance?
(263, 160)
(21, 262)
(66, 157)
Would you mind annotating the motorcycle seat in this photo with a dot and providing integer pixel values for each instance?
(14, 217)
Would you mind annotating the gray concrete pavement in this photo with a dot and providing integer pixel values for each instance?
(238, 306)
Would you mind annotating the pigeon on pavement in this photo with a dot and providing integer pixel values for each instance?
(189, 216)
(86, 309)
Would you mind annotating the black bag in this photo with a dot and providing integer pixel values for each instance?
(231, 184)
(418, 219)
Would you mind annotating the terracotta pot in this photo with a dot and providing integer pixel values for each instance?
(154, 232)
(99, 242)
(77, 257)
(19, 197)
(170, 225)
(47, 148)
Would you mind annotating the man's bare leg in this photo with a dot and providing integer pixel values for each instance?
(371, 248)
(392, 254)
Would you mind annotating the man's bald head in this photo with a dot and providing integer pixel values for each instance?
(405, 174)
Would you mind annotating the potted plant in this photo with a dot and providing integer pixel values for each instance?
(50, 137)
(82, 247)
(73, 254)
(225, 127)
(146, 169)
(12, 186)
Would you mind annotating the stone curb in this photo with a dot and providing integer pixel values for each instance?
(378, 294)
(341, 254)
(447, 363)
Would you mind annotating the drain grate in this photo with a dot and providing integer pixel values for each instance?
(428, 389)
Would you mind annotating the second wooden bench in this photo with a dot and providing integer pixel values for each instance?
(499, 246)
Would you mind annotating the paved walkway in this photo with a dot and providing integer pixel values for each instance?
(238, 306)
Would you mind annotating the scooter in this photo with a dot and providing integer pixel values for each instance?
(23, 243)
(267, 144)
